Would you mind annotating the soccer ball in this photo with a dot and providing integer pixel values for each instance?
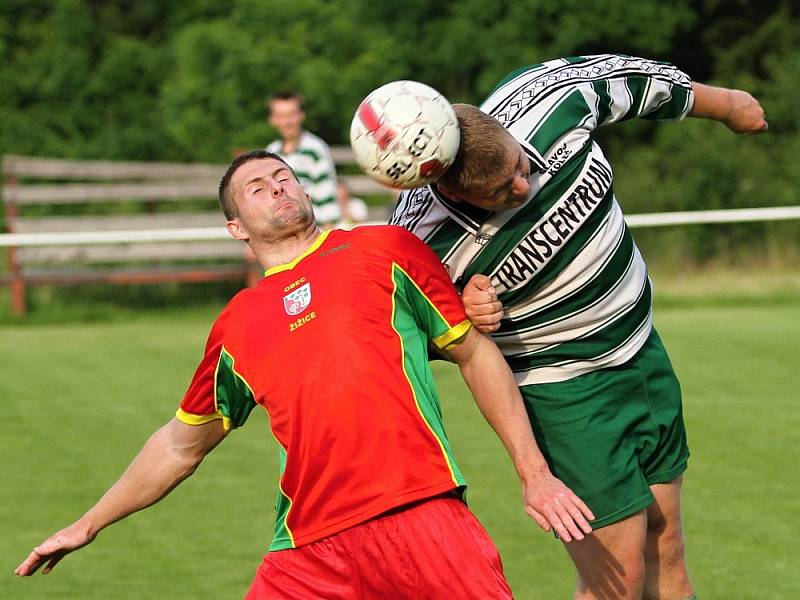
(404, 134)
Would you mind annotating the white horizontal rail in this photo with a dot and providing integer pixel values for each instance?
(121, 236)
(699, 217)
(188, 234)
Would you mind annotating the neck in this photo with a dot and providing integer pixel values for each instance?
(271, 253)
(290, 143)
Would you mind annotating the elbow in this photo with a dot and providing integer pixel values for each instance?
(184, 462)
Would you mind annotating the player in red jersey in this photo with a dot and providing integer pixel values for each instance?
(333, 344)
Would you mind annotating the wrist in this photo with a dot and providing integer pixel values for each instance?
(533, 470)
(89, 525)
(712, 102)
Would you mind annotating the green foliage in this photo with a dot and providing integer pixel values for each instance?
(125, 80)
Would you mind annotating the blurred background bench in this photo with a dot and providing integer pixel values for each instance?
(51, 197)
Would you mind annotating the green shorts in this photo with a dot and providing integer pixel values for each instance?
(612, 433)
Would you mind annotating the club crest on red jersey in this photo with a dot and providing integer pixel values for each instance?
(298, 300)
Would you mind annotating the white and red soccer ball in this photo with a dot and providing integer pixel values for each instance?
(404, 134)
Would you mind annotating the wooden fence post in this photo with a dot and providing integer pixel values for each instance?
(17, 284)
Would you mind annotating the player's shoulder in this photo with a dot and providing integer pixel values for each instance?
(238, 305)
(541, 70)
(409, 204)
(232, 317)
(313, 141)
(274, 146)
(374, 233)
(386, 237)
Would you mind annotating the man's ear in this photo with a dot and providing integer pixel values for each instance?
(236, 231)
(451, 195)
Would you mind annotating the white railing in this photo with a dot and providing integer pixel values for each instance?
(736, 215)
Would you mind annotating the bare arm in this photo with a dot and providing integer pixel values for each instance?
(547, 500)
(170, 455)
(737, 109)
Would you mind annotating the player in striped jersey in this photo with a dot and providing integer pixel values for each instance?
(306, 153)
(526, 220)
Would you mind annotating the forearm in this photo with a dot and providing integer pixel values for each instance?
(163, 462)
(737, 109)
(167, 458)
(711, 102)
(492, 385)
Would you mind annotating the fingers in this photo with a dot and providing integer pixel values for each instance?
(761, 127)
(53, 562)
(481, 304)
(53, 549)
(30, 565)
(485, 317)
(584, 510)
(486, 327)
(554, 506)
(538, 517)
(748, 115)
(480, 282)
(580, 515)
(561, 521)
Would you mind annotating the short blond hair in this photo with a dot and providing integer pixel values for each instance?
(482, 153)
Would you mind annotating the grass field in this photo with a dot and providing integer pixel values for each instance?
(79, 399)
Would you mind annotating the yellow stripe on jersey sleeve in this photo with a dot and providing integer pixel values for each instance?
(191, 419)
(454, 336)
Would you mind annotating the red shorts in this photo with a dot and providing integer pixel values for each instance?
(431, 549)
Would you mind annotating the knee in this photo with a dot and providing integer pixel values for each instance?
(665, 538)
(620, 575)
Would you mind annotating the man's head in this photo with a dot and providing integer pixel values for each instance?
(286, 113)
(262, 198)
(490, 170)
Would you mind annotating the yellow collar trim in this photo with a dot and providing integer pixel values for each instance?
(285, 267)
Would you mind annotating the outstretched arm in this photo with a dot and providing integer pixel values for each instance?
(170, 455)
(737, 109)
(547, 500)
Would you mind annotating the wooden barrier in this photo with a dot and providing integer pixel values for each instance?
(110, 195)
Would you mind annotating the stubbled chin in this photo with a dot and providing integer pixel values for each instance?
(292, 216)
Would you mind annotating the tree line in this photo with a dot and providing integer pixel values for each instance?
(154, 80)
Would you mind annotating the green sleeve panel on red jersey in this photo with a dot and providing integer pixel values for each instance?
(283, 537)
(439, 331)
(415, 318)
(233, 396)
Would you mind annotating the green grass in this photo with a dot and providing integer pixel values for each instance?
(79, 399)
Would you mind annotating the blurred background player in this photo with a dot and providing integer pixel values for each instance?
(354, 210)
(307, 154)
(527, 217)
(370, 501)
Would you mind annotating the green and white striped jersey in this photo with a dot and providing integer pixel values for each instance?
(573, 284)
(314, 166)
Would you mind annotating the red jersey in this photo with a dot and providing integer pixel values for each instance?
(334, 345)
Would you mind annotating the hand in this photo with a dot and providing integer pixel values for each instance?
(745, 113)
(481, 304)
(54, 548)
(554, 506)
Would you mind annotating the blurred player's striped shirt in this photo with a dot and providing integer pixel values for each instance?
(572, 281)
(314, 166)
